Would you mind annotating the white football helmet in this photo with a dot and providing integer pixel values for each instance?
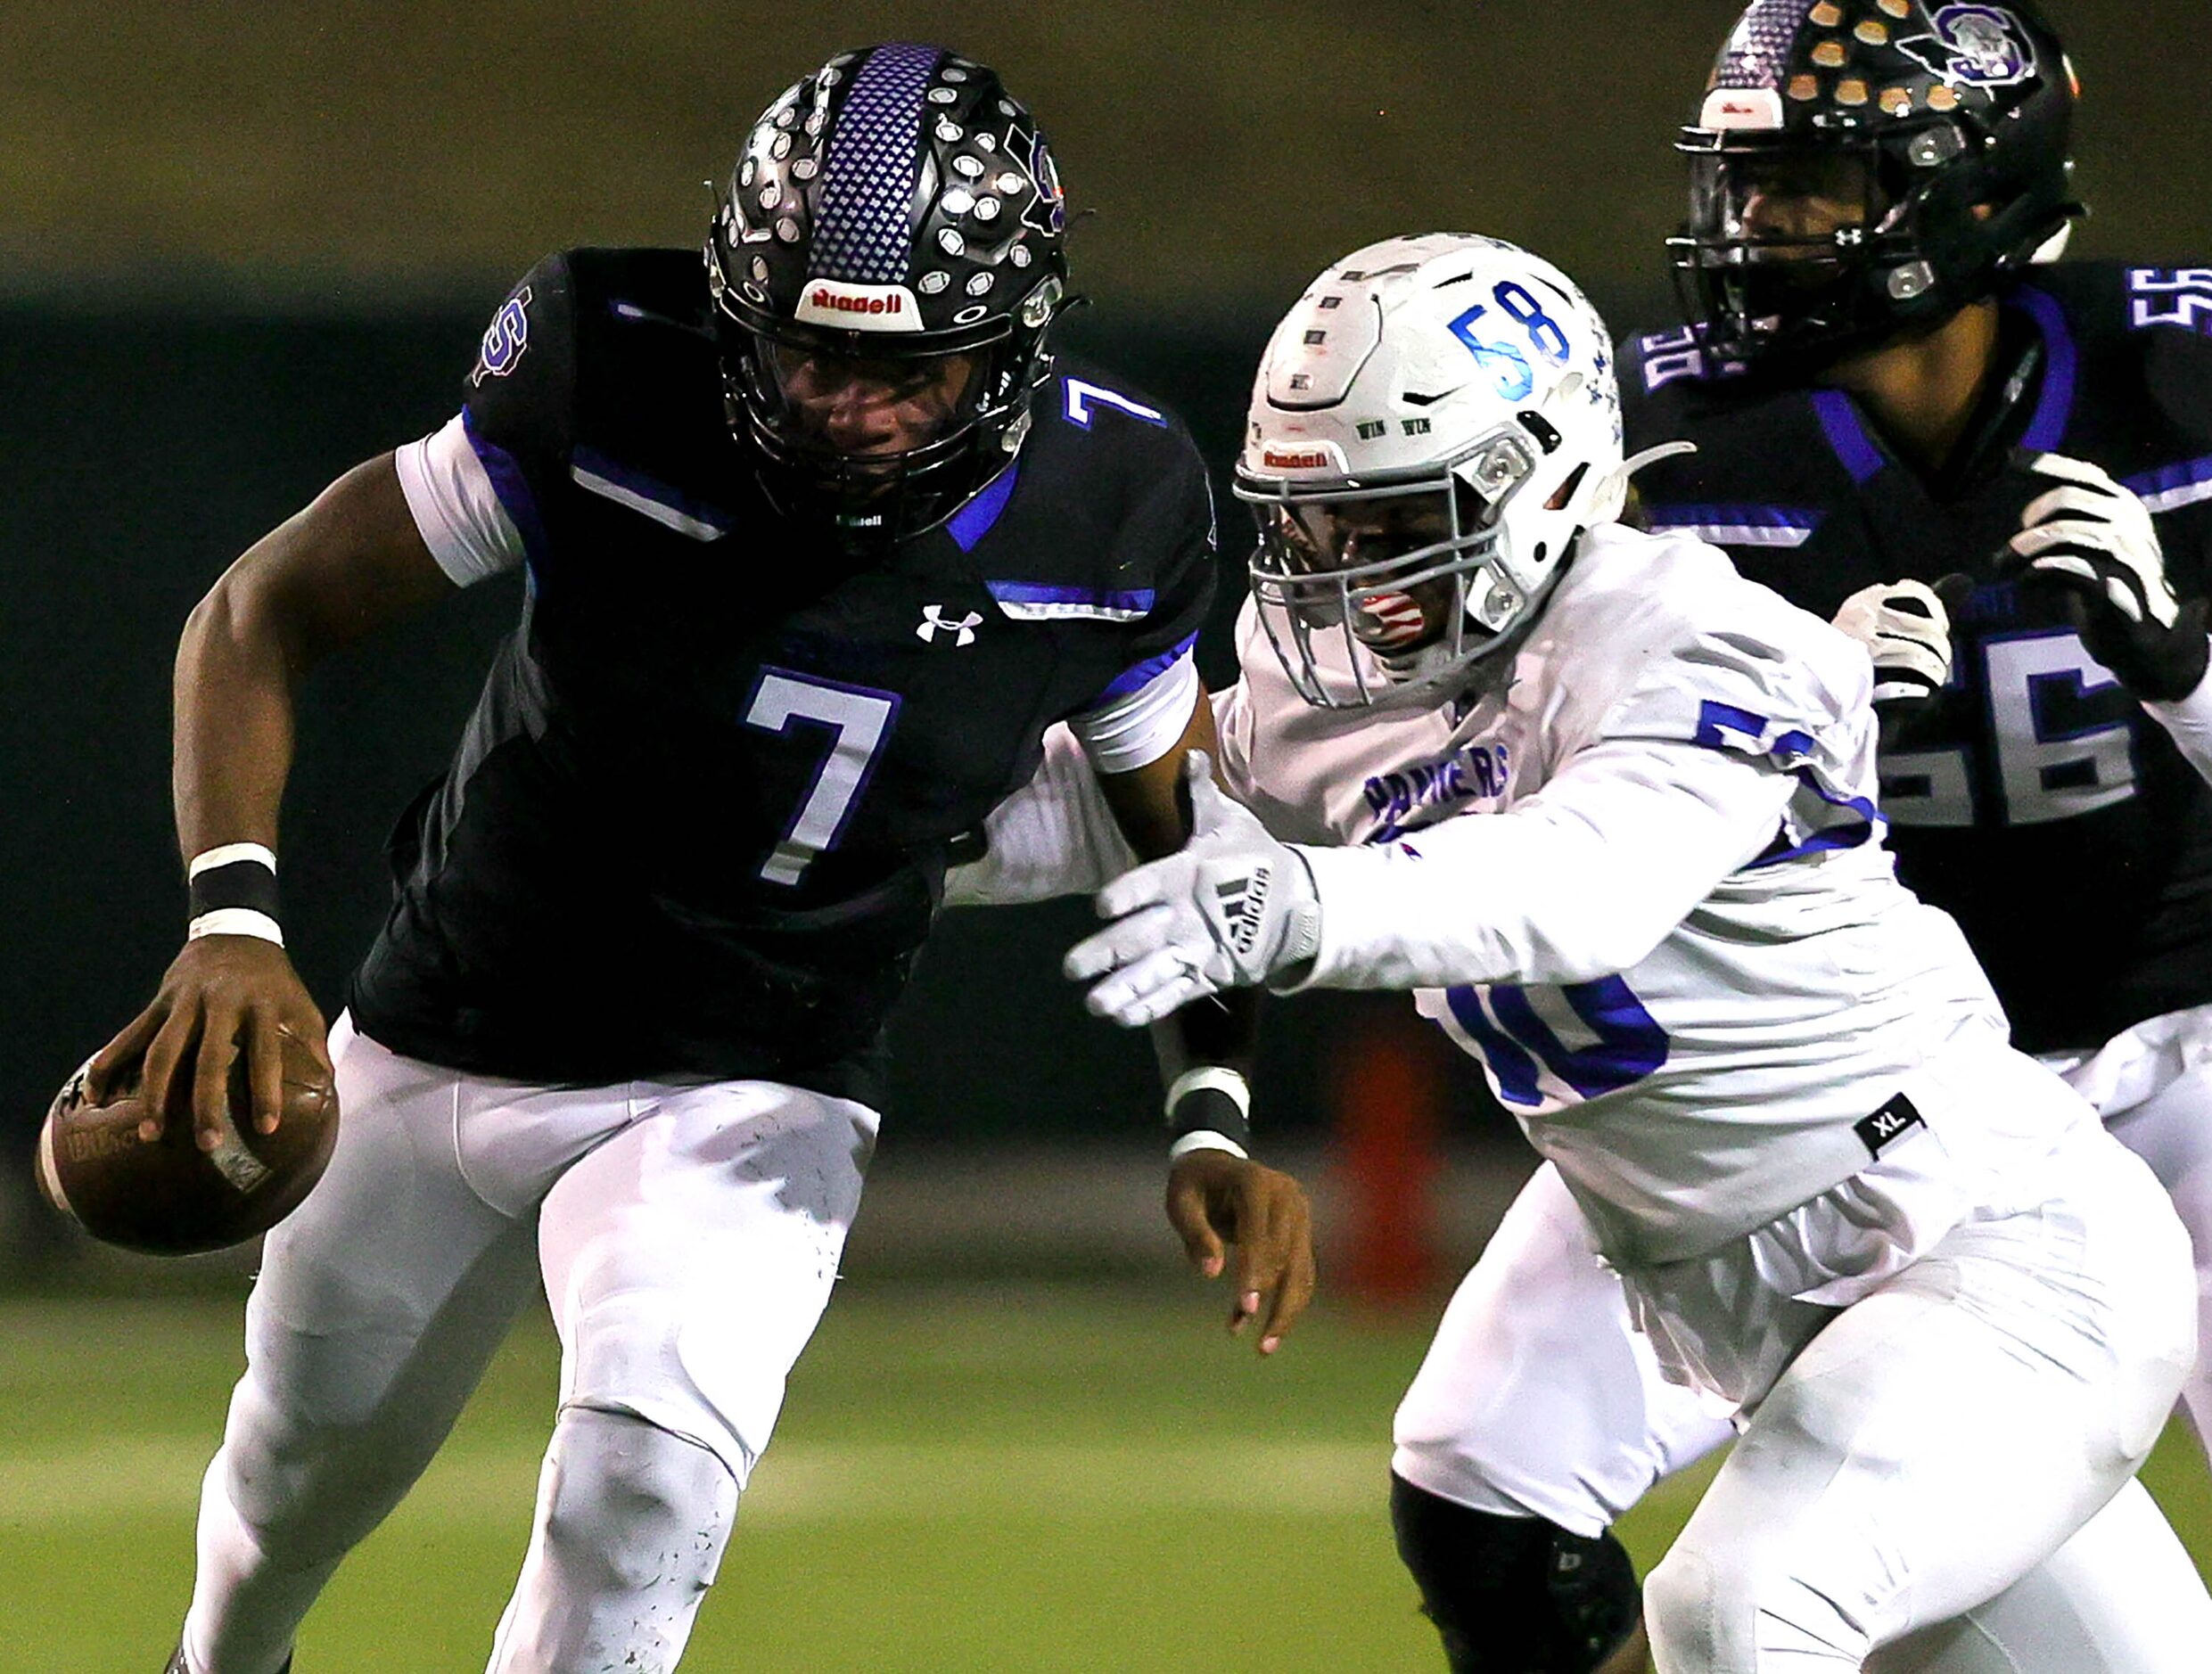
(1434, 424)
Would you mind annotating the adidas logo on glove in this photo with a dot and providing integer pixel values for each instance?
(1243, 901)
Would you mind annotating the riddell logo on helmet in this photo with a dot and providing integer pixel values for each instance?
(859, 307)
(1285, 459)
(1735, 109)
(824, 298)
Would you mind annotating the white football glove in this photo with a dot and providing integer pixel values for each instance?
(1230, 909)
(1905, 627)
(2094, 539)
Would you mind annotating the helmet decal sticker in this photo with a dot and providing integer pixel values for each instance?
(1979, 45)
(863, 234)
(1048, 179)
(1758, 52)
(1505, 363)
(505, 339)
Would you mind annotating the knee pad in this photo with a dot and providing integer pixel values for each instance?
(631, 1523)
(1514, 1594)
(627, 1505)
(1723, 1607)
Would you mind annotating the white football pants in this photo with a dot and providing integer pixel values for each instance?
(1937, 1441)
(2152, 1084)
(1929, 1455)
(687, 1236)
(1538, 1398)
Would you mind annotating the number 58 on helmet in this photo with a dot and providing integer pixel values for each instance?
(1435, 423)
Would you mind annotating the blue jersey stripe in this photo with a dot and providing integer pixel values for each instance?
(975, 519)
(513, 489)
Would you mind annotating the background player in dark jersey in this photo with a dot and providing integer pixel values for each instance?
(818, 540)
(1887, 386)
(1884, 389)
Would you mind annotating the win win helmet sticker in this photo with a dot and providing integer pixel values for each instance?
(1975, 46)
(505, 340)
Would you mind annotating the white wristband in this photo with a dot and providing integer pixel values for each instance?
(1204, 1139)
(229, 854)
(236, 921)
(1221, 1078)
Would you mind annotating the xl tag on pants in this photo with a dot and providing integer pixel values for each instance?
(1891, 1122)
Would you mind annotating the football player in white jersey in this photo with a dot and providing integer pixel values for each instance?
(1607, 808)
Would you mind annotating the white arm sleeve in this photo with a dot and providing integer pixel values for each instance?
(1581, 881)
(1136, 728)
(1053, 836)
(451, 494)
(2188, 721)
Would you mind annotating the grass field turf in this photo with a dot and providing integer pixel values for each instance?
(981, 1479)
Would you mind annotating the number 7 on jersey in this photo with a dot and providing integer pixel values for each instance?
(859, 719)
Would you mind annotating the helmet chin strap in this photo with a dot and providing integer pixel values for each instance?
(2053, 248)
(1629, 467)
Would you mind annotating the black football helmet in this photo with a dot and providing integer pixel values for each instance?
(894, 215)
(1862, 169)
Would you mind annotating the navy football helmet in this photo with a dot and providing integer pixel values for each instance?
(1862, 169)
(884, 263)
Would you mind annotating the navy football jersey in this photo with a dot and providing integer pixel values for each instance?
(2033, 798)
(698, 823)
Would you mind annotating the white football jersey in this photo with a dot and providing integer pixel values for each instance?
(1642, 882)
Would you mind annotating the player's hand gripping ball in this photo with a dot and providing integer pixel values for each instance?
(167, 1196)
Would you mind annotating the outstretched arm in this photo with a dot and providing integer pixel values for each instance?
(1581, 881)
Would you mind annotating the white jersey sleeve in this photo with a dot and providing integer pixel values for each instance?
(1678, 755)
(455, 508)
(1637, 873)
(1579, 881)
(1053, 836)
(1133, 729)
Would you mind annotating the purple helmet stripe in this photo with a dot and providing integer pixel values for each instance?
(1757, 54)
(861, 234)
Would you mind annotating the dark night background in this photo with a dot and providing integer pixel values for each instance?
(242, 249)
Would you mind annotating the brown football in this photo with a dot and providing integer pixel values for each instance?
(167, 1196)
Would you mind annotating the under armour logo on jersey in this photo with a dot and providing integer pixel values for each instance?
(935, 622)
(1242, 902)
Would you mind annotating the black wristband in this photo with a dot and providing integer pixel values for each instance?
(250, 884)
(1209, 1100)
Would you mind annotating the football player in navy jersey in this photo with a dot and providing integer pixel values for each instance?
(818, 540)
(1996, 473)
(1995, 469)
